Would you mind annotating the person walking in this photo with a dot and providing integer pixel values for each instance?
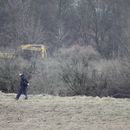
(23, 87)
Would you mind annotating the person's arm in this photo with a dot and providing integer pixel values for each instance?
(26, 82)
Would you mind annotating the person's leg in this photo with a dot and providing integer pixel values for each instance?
(19, 94)
(25, 93)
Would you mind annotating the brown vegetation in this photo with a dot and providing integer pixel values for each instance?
(63, 113)
(77, 70)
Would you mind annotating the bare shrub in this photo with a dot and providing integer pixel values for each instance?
(9, 72)
(78, 70)
(69, 72)
(117, 75)
(85, 72)
(46, 78)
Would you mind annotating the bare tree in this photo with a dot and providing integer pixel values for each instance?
(22, 26)
(100, 24)
(63, 10)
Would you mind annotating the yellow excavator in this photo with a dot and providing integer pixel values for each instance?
(37, 50)
(5, 55)
(26, 50)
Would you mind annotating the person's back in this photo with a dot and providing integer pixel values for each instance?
(23, 82)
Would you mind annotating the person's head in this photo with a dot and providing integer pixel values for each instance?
(21, 75)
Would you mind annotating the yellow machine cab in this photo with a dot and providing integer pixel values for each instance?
(34, 49)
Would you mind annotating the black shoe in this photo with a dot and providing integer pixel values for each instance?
(26, 98)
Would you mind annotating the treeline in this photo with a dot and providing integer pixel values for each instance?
(101, 23)
(88, 42)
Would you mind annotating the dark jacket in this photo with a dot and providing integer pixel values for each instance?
(23, 82)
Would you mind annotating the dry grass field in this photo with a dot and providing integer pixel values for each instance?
(63, 113)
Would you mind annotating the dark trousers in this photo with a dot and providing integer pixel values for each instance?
(22, 90)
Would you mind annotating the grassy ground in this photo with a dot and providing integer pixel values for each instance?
(63, 113)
